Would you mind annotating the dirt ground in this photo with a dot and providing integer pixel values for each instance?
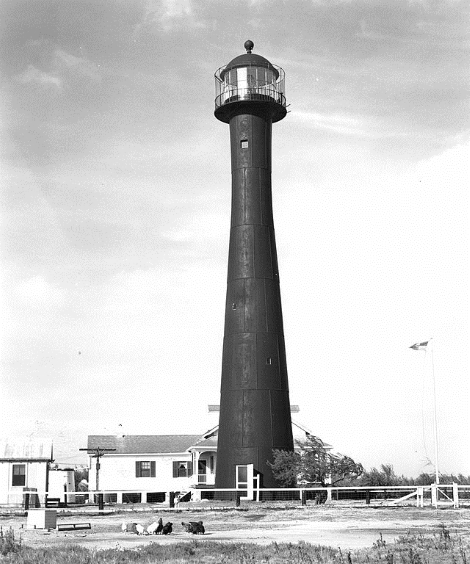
(336, 526)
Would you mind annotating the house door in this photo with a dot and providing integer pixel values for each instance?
(202, 471)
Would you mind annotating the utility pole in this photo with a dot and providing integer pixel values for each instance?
(98, 453)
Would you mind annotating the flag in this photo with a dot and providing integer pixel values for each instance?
(419, 346)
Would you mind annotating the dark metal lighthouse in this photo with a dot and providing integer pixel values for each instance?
(254, 407)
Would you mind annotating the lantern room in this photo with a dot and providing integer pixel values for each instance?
(250, 80)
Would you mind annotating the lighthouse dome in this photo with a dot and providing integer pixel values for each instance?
(249, 60)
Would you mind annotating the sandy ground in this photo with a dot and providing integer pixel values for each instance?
(345, 527)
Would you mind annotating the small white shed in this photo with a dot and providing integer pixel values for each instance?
(24, 467)
(61, 481)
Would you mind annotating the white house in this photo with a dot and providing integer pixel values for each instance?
(150, 465)
(140, 468)
(24, 466)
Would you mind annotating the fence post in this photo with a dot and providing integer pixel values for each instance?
(329, 495)
(100, 502)
(434, 495)
(367, 497)
(420, 496)
(172, 499)
(237, 499)
(455, 495)
(26, 502)
(303, 497)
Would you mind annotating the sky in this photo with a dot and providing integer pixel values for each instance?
(115, 218)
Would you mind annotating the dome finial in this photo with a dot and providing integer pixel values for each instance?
(249, 46)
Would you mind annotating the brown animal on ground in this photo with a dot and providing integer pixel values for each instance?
(160, 527)
(167, 528)
(129, 527)
(197, 527)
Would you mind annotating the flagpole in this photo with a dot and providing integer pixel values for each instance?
(436, 436)
(424, 347)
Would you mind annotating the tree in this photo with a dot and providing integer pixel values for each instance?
(286, 467)
(384, 477)
(79, 475)
(312, 465)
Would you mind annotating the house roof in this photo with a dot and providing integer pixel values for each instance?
(207, 442)
(35, 449)
(161, 444)
(143, 444)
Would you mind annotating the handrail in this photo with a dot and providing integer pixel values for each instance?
(257, 94)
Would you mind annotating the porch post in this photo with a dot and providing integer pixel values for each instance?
(196, 456)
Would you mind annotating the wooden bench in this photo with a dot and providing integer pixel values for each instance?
(73, 526)
(55, 502)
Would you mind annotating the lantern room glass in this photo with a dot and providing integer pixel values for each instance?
(250, 83)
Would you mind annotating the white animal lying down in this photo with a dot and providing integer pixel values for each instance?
(136, 528)
(156, 527)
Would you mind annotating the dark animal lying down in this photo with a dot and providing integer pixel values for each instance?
(194, 528)
(160, 527)
(155, 528)
(167, 528)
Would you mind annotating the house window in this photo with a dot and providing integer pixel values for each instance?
(145, 469)
(182, 469)
(244, 143)
(19, 475)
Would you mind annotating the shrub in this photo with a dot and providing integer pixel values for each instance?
(8, 543)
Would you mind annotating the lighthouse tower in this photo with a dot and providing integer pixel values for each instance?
(254, 406)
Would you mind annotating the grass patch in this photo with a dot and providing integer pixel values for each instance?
(439, 548)
(8, 542)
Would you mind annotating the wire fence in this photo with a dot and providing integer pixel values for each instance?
(437, 495)
(442, 495)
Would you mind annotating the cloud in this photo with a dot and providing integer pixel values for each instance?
(37, 292)
(167, 15)
(64, 61)
(32, 75)
(64, 67)
(343, 124)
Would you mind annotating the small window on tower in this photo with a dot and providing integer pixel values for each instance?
(234, 306)
(244, 143)
(269, 360)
